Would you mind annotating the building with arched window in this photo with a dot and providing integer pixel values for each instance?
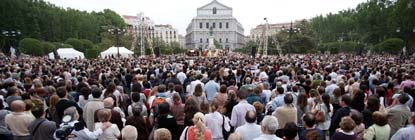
(226, 29)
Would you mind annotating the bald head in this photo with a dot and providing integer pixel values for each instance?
(250, 117)
(108, 102)
(18, 106)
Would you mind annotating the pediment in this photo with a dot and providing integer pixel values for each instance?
(216, 4)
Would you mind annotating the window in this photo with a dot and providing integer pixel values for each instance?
(220, 25)
(207, 40)
(200, 25)
(214, 10)
(201, 41)
(227, 40)
(220, 40)
(227, 25)
(213, 25)
(207, 25)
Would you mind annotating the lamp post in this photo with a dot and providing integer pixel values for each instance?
(11, 35)
(117, 32)
(292, 30)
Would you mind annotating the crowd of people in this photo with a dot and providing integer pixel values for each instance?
(234, 97)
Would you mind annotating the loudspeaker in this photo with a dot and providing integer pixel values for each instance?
(253, 52)
(157, 51)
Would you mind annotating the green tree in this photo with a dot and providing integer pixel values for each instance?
(76, 43)
(391, 45)
(31, 46)
(48, 47)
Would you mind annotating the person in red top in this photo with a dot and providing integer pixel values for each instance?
(198, 131)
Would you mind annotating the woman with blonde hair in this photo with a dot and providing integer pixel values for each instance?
(198, 131)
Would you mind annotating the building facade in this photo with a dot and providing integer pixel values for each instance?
(215, 17)
(257, 32)
(136, 25)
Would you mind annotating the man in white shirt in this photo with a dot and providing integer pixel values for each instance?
(250, 130)
(239, 111)
(181, 76)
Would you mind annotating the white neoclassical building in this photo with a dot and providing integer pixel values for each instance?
(217, 18)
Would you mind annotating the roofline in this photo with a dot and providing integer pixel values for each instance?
(215, 1)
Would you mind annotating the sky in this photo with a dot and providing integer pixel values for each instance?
(249, 13)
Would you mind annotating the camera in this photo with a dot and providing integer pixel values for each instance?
(65, 130)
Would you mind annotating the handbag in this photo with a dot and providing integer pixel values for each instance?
(225, 133)
(320, 117)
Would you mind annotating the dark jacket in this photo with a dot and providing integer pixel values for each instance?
(143, 126)
(338, 115)
(44, 131)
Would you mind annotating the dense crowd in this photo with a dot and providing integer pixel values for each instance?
(234, 97)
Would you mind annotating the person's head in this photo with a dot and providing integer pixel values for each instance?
(12, 91)
(223, 89)
(242, 94)
(259, 108)
(135, 97)
(136, 109)
(104, 115)
(235, 136)
(162, 134)
(161, 88)
(403, 98)
(38, 111)
(129, 133)
(290, 130)
(53, 100)
(176, 98)
(198, 90)
(313, 135)
(61, 92)
(356, 116)
(72, 112)
(85, 92)
(269, 125)
(309, 120)
(380, 118)
(199, 122)
(250, 117)
(288, 99)
(345, 100)
(108, 102)
(347, 124)
(164, 108)
(18, 106)
(280, 90)
(373, 103)
(96, 93)
(214, 106)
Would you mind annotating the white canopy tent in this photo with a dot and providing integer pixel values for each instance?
(67, 53)
(113, 51)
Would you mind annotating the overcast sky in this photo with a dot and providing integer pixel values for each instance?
(249, 12)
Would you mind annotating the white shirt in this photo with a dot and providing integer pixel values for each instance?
(214, 122)
(110, 133)
(263, 76)
(181, 76)
(249, 131)
(268, 137)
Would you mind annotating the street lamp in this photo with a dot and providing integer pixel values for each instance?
(292, 30)
(12, 35)
(117, 32)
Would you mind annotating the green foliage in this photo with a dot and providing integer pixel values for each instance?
(341, 47)
(248, 48)
(45, 21)
(217, 44)
(31, 46)
(91, 53)
(87, 44)
(391, 45)
(48, 47)
(76, 43)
